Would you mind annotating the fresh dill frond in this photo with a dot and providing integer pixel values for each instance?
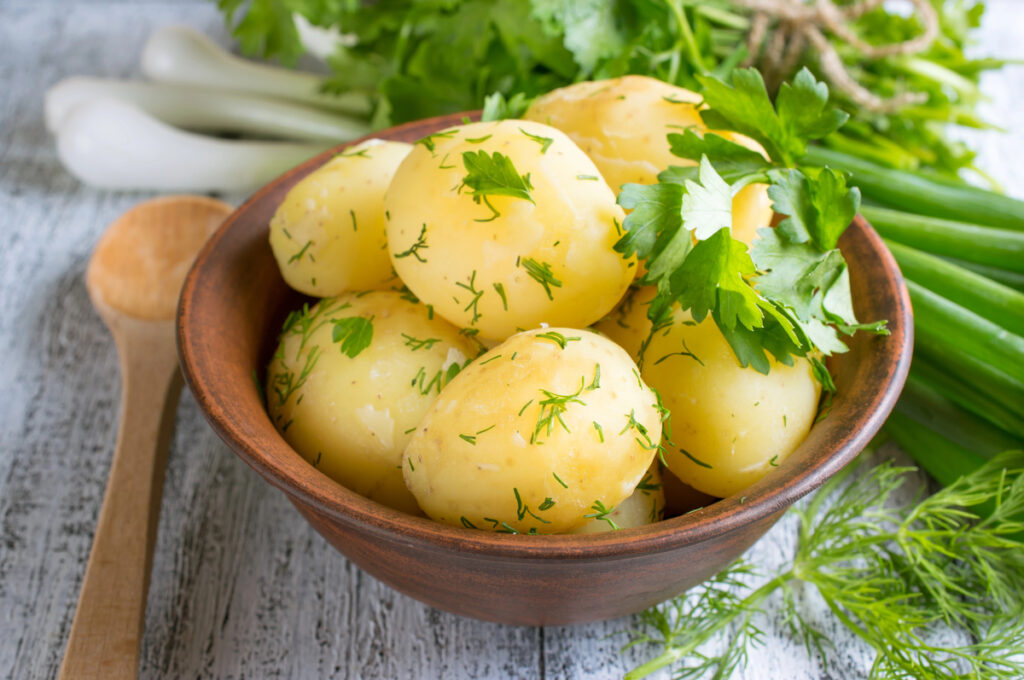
(908, 580)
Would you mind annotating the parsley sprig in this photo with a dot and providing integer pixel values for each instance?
(493, 174)
(789, 295)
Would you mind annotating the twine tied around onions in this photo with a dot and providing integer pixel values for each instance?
(800, 24)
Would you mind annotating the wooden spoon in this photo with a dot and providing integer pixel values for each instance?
(133, 279)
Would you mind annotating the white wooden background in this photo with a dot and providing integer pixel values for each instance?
(241, 587)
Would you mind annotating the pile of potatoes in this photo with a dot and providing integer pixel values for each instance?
(473, 356)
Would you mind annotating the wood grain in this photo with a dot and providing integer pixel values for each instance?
(241, 585)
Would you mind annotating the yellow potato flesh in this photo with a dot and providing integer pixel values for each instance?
(532, 437)
(328, 233)
(352, 416)
(730, 425)
(623, 124)
(628, 325)
(549, 259)
(644, 506)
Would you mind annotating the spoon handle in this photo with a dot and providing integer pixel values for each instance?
(108, 624)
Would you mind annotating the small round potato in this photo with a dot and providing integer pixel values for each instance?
(328, 233)
(627, 325)
(548, 427)
(505, 226)
(352, 377)
(646, 505)
(623, 124)
(730, 425)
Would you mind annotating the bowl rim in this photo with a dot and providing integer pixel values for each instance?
(310, 488)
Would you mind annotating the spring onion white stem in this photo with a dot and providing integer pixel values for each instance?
(204, 110)
(178, 54)
(110, 144)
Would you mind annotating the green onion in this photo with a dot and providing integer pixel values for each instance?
(1014, 280)
(923, 195)
(974, 385)
(941, 458)
(997, 303)
(943, 322)
(984, 245)
(929, 407)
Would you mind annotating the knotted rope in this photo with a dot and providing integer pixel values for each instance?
(799, 24)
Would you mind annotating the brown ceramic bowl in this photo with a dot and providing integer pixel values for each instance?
(231, 309)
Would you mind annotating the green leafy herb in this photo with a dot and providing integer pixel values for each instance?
(542, 274)
(415, 248)
(602, 514)
(493, 175)
(545, 142)
(908, 580)
(551, 409)
(558, 338)
(416, 344)
(355, 333)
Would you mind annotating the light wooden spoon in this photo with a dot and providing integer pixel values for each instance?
(134, 278)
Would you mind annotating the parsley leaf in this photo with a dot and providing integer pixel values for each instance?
(783, 130)
(266, 28)
(355, 333)
(819, 206)
(707, 204)
(731, 160)
(712, 279)
(497, 107)
(494, 175)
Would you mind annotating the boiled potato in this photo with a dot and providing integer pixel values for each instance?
(546, 428)
(328, 233)
(501, 263)
(730, 425)
(623, 124)
(646, 505)
(350, 407)
(628, 325)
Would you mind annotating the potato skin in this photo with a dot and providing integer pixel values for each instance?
(622, 124)
(738, 423)
(328, 233)
(644, 506)
(487, 273)
(486, 457)
(352, 416)
(627, 325)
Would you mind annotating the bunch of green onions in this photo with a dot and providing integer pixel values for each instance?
(961, 249)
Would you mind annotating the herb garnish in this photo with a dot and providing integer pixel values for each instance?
(790, 294)
(415, 248)
(355, 333)
(545, 142)
(493, 175)
(541, 273)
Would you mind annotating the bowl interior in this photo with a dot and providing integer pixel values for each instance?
(234, 301)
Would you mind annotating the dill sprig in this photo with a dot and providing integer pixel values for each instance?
(904, 579)
(551, 409)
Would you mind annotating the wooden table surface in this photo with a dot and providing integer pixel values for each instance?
(241, 585)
